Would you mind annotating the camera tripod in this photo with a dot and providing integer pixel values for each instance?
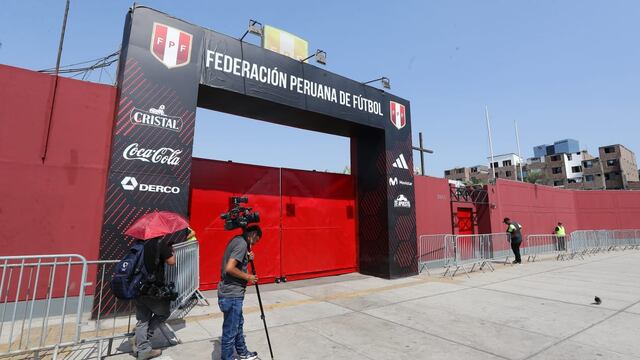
(264, 321)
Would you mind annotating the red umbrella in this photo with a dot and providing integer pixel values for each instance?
(157, 223)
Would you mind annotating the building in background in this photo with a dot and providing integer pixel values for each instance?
(507, 166)
(560, 166)
(559, 147)
(478, 174)
(615, 168)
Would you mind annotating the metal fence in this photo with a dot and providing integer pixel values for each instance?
(186, 277)
(581, 243)
(431, 252)
(589, 242)
(470, 252)
(536, 245)
(49, 308)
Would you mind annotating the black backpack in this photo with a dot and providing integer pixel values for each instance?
(130, 274)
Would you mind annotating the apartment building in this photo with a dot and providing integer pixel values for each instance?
(473, 174)
(616, 168)
(558, 169)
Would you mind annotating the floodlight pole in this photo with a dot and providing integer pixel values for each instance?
(486, 114)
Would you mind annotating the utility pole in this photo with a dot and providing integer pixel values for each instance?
(519, 154)
(493, 168)
(45, 145)
(422, 151)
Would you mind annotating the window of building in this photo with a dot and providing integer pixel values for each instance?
(569, 157)
(558, 183)
(609, 150)
(556, 170)
(571, 181)
(459, 171)
(507, 173)
(587, 164)
(495, 164)
(506, 163)
(447, 172)
(607, 176)
(474, 169)
(555, 158)
(576, 169)
(588, 178)
(612, 162)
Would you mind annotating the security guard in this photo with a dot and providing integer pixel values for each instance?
(513, 228)
(560, 237)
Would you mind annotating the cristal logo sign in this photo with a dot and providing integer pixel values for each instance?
(130, 183)
(165, 155)
(155, 118)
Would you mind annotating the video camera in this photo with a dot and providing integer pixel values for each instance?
(239, 216)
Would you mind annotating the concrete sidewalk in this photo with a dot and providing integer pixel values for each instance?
(537, 310)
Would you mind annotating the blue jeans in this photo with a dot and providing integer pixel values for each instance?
(232, 334)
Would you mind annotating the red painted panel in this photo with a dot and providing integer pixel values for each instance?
(433, 207)
(55, 206)
(465, 223)
(318, 224)
(212, 183)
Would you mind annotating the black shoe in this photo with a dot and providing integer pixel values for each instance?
(249, 355)
(516, 262)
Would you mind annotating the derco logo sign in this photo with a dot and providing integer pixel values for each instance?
(130, 183)
(155, 118)
(397, 114)
(170, 46)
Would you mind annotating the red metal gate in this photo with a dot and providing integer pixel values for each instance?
(307, 219)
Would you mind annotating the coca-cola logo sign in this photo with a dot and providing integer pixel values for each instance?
(164, 155)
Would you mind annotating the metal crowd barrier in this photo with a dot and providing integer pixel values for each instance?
(536, 245)
(477, 251)
(185, 274)
(581, 243)
(431, 252)
(49, 309)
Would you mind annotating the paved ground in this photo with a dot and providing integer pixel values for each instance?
(535, 311)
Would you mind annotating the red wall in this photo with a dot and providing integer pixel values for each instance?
(55, 206)
(538, 208)
(433, 207)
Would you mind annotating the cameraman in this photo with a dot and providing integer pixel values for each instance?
(231, 289)
(151, 309)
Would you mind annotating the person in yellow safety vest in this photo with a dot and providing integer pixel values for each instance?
(513, 229)
(191, 235)
(560, 233)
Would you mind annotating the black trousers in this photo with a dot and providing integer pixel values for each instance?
(515, 246)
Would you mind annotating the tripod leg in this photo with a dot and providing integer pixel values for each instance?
(264, 321)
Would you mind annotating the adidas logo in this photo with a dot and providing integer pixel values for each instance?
(401, 163)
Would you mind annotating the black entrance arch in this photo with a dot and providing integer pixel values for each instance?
(169, 67)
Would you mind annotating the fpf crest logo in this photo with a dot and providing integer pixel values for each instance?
(170, 46)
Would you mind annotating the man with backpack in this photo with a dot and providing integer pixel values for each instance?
(513, 228)
(152, 307)
(231, 289)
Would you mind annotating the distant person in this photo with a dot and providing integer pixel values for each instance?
(560, 233)
(231, 288)
(513, 228)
